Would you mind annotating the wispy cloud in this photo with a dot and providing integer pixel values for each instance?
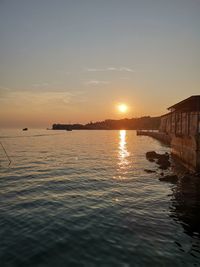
(4, 92)
(124, 78)
(64, 72)
(126, 69)
(93, 69)
(2, 88)
(40, 85)
(40, 98)
(122, 69)
(46, 87)
(96, 82)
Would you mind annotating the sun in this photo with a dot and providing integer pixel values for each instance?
(122, 108)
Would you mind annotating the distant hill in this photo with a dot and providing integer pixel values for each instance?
(143, 123)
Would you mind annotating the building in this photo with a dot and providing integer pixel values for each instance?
(182, 126)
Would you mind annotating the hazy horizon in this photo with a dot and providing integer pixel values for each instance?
(74, 61)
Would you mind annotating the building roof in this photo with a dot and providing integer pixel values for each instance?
(191, 103)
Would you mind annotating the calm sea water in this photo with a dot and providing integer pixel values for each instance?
(82, 198)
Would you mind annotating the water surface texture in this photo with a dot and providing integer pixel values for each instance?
(82, 198)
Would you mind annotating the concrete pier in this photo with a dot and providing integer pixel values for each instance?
(157, 135)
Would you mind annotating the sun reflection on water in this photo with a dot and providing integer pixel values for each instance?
(123, 154)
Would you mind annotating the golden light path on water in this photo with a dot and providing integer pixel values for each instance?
(123, 154)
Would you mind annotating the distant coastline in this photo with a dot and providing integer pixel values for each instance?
(144, 123)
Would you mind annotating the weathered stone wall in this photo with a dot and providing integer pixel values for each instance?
(184, 130)
(165, 124)
(185, 148)
(180, 123)
(198, 150)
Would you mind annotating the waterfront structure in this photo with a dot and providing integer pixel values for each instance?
(180, 128)
(182, 125)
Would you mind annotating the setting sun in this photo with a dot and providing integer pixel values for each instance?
(122, 108)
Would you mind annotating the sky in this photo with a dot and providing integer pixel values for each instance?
(73, 61)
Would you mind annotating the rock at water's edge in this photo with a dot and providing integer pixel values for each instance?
(169, 178)
(161, 159)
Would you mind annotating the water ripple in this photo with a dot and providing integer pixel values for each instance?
(83, 199)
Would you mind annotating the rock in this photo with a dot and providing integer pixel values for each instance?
(151, 155)
(169, 178)
(149, 171)
(151, 160)
(154, 155)
(162, 159)
(163, 162)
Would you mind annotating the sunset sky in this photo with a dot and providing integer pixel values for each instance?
(76, 60)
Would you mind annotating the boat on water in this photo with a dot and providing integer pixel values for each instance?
(25, 129)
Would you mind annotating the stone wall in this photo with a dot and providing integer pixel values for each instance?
(198, 150)
(184, 130)
(186, 149)
(180, 123)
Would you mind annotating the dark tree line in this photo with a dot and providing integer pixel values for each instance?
(143, 123)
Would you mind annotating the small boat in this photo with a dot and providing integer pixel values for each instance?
(25, 129)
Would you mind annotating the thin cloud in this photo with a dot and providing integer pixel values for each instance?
(96, 82)
(64, 72)
(39, 85)
(4, 92)
(93, 69)
(122, 69)
(2, 88)
(30, 98)
(126, 69)
(125, 78)
(111, 69)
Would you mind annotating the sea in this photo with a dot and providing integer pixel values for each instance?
(91, 198)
